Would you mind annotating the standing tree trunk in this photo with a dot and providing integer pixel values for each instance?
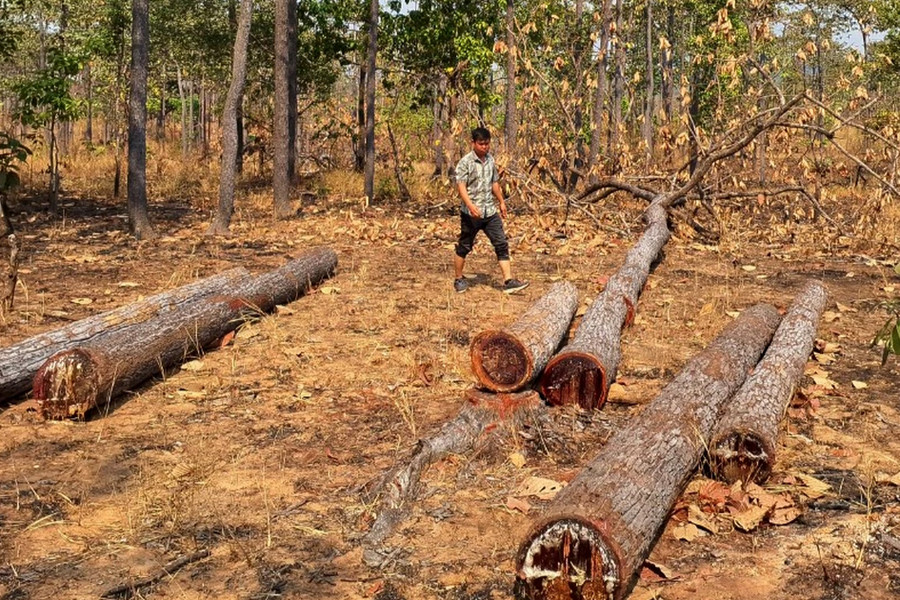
(600, 528)
(281, 180)
(89, 106)
(512, 116)
(161, 114)
(138, 219)
(9, 265)
(184, 108)
(743, 444)
(222, 219)
(649, 92)
(370, 101)
(602, 85)
(437, 129)
(506, 360)
(359, 145)
(615, 121)
(292, 92)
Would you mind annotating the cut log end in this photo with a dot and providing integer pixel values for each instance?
(568, 559)
(741, 456)
(575, 378)
(500, 361)
(67, 385)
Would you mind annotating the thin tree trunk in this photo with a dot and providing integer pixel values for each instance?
(437, 129)
(359, 146)
(89, 108)
(230, 127)
(666, 67)
(9, 266)
(602, 85)
(615, 122)
(292, 92)
(19, 362)
(370, 101)
(511, 125)
(161, 115)
(398, 171)
(743, 444)
(649, 91)
(281, 181)
(600, 528)
(181, 97)
(506, 360)
(73, 382)
(138, 219)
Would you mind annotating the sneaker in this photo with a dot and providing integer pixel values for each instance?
(511, 286)
(460, 285)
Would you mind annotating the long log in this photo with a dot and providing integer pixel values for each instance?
(582, 371)
(601, 527)
(743, 445)
(476, 424)
(20, 362)
(507, 360)
(74, 381)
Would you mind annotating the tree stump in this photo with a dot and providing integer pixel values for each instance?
(582, 371)
(601, 527)
(743, 445)
(73, 382)
(507, 360)
(19, 362)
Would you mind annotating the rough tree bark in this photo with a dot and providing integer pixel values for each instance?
(474, 425)
(369, 174)
(9, 265)
(19, 362)
(507, 360)
(138, 219)
(601, 527)
(74, 381)
(743, 445)
(582, 371)
(511, 122)
(222, 219)
(602, 85)
(281, 180)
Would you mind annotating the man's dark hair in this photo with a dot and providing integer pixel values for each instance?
(481, 134)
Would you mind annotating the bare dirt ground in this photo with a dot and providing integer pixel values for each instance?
(257, 451)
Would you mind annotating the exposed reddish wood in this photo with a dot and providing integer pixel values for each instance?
(600, 528)
(19, 362)
(743, 445)
(481, 419)
(73, 382)
(507, 360)
(582, 371)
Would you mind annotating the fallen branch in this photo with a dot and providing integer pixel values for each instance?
(127, 590)
(482, 418)
(507, 360)
(600, 528)
(743, 445)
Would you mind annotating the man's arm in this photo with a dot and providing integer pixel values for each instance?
(498, 194)
(464, 194)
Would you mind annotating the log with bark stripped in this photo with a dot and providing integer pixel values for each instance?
(74, 381)
(20, 362)
(582, 371)
(507, 360)
(482, 418)
(601, 527)
(743, 445)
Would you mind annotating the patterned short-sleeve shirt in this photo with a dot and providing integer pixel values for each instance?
(479, 176)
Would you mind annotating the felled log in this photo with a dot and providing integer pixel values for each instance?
(601, 527)
(20, 362)
(582, 371)
(506, 360)
(74, 381)
(743, 445)
(476, 424)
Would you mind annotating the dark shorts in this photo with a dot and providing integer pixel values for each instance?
(492, 227)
